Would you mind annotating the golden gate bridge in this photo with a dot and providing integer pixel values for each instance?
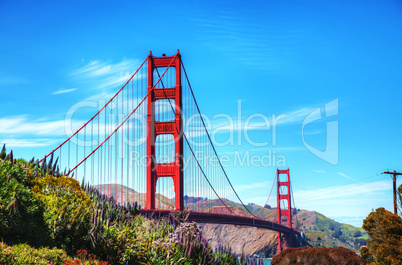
(149, 144)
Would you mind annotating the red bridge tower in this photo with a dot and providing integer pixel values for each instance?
(156, 128)
(283, 194)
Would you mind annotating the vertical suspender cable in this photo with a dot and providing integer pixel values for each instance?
(122, 152)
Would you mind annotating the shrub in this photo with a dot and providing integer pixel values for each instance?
(67, 210)
(21, 218)
(307, 256)
(23, 254)
(84, 258)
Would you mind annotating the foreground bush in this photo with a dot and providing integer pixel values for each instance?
(313, 256)
(66, 210)
(84, 258)
(24, 254)
(21, 216)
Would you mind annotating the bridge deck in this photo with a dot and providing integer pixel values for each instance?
(224, 219)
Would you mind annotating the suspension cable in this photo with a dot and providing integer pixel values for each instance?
(128, 116)
(97, 112)
(213, 147)
(293, 199)
(273, 183)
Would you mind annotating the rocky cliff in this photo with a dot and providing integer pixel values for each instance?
(242, 239)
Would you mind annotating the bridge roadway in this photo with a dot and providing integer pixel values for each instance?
(223, 219)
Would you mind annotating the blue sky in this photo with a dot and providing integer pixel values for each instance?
(273, 58)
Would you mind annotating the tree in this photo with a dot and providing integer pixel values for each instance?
(366, 255)
(360, 241)
(337, 232)
(385, 230)
(357, 233)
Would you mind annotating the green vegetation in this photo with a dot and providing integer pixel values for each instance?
(22, 254)
(48, 218)
(385, 231)
(326, 232)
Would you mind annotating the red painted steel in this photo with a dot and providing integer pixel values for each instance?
(175, 127)
(167, 93)
(167, 127)
(165, 169)
(283, 212)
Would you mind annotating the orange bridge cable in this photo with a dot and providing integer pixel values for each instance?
(213, 147)
(294, 205)
(97, 112)
(266, 218)
(270, 215)
(128, 116)
(191, 149)
(273, 183)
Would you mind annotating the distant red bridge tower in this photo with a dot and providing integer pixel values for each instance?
(155, 128)
(283, 194)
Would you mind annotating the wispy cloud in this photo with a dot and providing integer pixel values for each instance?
(343, 175)
(102, 76)
(229, 123)
(341, 191)
(223, 123)
(296, 115)
(299, 115)
(28, 142)
(98, 68)
(63, 91)
(319, 171)
(21, 125)
(313, 132)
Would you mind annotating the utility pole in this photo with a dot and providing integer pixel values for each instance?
(394, 174)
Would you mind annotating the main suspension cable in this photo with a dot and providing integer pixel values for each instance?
(213, 147)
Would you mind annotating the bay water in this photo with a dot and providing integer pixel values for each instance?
(267, 261)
